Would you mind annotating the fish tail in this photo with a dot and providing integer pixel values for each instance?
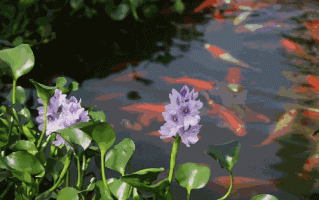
(168, 80)
(202, 6)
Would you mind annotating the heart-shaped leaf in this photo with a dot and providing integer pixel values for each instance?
(264, 197)
(120, 189)
(192, 176)
(101, 192)
(225, 154)
(24, 161)
(18, 61)
(24, 145)
(118, 157)
(103, 134)
(68, 193)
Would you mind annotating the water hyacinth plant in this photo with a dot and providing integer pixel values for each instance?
(66, 123)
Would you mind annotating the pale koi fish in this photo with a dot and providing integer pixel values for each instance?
(222, 54)
(283, 127)
(242, 17)
(198, 84)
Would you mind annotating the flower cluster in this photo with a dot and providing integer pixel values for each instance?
(182, 116)
(61, 113)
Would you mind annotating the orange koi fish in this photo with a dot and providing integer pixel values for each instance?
(313, 28)
(147, 112)
(109, 96)
(222, 54)
(311, 114)
(198, 84)
(243, 187)
(292, 47)
(314, 81)
(232, 121)
(233, 75)
(218, 17)
(131, 76)
(283, 126)
(207, 4)
(310, 163)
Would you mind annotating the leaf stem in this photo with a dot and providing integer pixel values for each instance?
(173, 157)
(230, 188)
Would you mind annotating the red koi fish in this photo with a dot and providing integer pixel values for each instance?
(218, 17)
(311, 114)
(147, 112)
(311, 163)
(283, 126)
(109, 96)
(199, 85)
(243, 187)
(131, 76)
(292, 47)
(233, 75)
(313, 28)
(314, 82)
(208, 4)
(222, 54)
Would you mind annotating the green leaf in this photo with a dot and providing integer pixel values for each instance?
(150, 10)
(60, 82)
(4, 134)
(133, 8)
(78, 139)
(104, 135)
(225, 154)
(179, 6)
(17, 61)
(27, 3)
(43, 92)
(24, 145)
(264, 197)
(17, 41)
(76, 4)
(74, 86)
(118, 157)
(192, 176)
(68, 193)
(143, 179)
(24, 161)
(101, 193)
(8, 11)
(118, 12)
(120, 189)
(24, 177)
(97, 116)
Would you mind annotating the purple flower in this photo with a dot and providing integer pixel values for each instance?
(61, 113)
(182, 116)
(190, 135)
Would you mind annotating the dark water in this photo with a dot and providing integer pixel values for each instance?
(258, 49)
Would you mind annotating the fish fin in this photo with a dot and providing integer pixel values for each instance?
(168, 80)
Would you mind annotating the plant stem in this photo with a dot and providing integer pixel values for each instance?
(188, 194)
(78, 184)
(45, 125)
(173, 157)
(103, 173)
(230, 188)
(67, 181)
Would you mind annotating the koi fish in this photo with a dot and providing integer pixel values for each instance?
(147, 111)
(207, 4)
(314, 81)
(313, 29)
(109, 96)
(233, 75)
(251, 116)
(283, 126)
(232, 121)
(294, 77)
(292, 47)
(310, 163)
(218, 17)
(222, 54)
(242, 17)
(127, 124)
(304, 176)
(198, 84)
(243, 187)
(311, 114)
(290, 93)
(130, 76)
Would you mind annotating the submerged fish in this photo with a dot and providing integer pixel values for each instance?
(294, 77)
(292, 47)
(222, 54)
(130, 76)
(314, 82)
(147, 112)
(282, 127)
(198, 84)
(313, 28)
(207, 4)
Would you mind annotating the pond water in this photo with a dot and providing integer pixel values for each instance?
(260, 49)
